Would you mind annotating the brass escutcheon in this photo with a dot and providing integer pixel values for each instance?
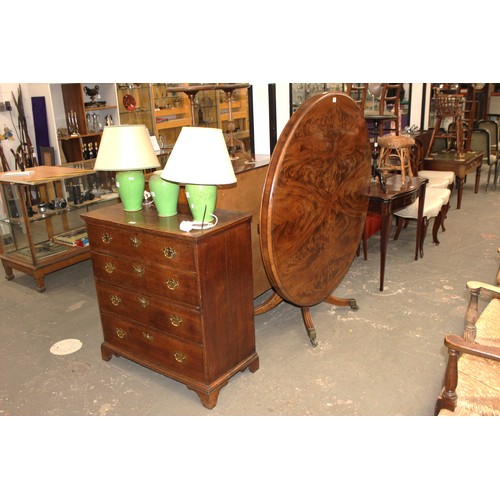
(109, 267)
(143, 301)
(106, 238)
(147, 336)
(136, 241)
(139, 270)
(179, 357)
(115, 300)
(169, 252)
(171, 284)
(175, 320)
(121, 333)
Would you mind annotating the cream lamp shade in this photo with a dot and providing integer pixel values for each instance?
(127, 150)
(200, 156)
(201, 161)
(125, 147)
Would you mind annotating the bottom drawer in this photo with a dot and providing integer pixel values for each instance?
(153, 346)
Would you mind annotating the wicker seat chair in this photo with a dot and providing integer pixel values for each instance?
(472, 378)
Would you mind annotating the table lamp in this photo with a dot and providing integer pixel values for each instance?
(127, 150)
(200, 160)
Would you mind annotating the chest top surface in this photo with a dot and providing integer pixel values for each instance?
(147, 220)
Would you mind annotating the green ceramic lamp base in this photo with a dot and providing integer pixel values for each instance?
(130, 186)
(201, 200)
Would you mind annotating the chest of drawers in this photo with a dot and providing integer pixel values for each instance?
(178, 303)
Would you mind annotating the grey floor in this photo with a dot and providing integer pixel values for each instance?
(386, 359)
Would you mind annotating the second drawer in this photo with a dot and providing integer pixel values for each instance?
(149, 310)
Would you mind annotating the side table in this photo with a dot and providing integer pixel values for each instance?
(447, 161)
(395, 198)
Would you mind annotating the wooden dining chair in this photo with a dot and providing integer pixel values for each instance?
(480, 141)
(390, 100)
(434, 201)
(357, 91)
(492, 127)
(448, 106)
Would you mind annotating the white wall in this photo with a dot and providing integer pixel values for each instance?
(261, 118)
(282, 106)
(261, 113)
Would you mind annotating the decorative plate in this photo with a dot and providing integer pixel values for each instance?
(129, 102)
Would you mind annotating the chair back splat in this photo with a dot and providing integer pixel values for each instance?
(390, 100)
(357, 91)
(480, 141)
(448, 106)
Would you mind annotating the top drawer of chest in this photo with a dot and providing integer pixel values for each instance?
(135, 244)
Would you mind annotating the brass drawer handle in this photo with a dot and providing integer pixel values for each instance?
(172, 284)
(179, 357)
(147, 336)
(106, 238)
(135, 241)
(169, 252)
(139, 270)
(143, 301)
(175, 320)
(109, 267)
(121, 333)
(115, 300)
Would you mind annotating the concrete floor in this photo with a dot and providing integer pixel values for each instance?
(387, 358)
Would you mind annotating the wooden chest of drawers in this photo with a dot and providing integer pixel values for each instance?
(178, 303)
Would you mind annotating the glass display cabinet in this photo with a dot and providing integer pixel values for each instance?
(85, 110)
(134, 104)
(167, 107)
(41, 229)
(171, 113)
(299, 92)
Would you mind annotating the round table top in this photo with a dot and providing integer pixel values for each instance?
(315, 198)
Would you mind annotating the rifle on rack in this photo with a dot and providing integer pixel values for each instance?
(5, 163)
(24, 155)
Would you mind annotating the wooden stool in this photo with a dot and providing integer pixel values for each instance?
(396, 146)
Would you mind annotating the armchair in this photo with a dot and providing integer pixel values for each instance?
(472, 378)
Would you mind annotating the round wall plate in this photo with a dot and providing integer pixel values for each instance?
(129, 102)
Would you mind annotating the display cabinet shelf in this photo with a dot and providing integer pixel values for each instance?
(41, 229)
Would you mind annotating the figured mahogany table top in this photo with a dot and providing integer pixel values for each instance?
(315, 198)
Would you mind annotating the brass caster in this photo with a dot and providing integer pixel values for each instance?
(311, 333)
(353, 304)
